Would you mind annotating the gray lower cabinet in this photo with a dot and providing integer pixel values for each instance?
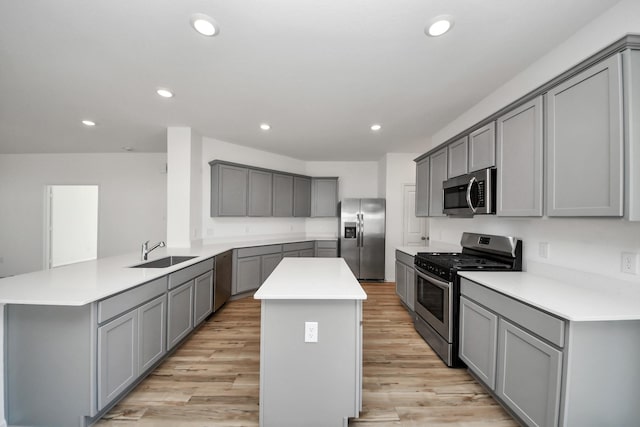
(422, 187)
(202, 297)
(248, 274)
(478, 337)
(260, 197)
(152, 333)
(519, 161)
(458, 157)
(482, 147)
(282, 195)
(437, 175)
(585, 143)
(229, 186)
(269, 263)
(326, 248)
(298, 249)
(405, 279)
(180, 313)
(117, 356)
(529, 375)
(301, 196)
(324, 197)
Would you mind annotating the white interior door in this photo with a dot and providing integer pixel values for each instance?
(72, 224)
(414, 229)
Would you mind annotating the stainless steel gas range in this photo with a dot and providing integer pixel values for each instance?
(438, 286)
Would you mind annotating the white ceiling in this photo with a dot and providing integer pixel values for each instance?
(319, 71)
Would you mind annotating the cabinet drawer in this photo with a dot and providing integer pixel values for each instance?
(327, 244)
(298, 246)
(127, 300)
(546, 326)
(258, 250)
(188, 273)
(404, 258)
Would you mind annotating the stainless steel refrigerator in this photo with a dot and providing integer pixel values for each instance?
(362, 230)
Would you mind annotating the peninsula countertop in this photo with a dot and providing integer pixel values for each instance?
(311, 278)
(85, 282)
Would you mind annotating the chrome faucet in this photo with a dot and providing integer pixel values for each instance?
(146, 249)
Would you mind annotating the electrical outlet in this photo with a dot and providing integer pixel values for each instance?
(310, 331)
(629, 262)
(543, 249)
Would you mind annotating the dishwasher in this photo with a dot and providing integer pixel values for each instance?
(222, 283)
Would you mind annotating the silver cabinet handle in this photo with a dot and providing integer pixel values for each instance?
(469, 186)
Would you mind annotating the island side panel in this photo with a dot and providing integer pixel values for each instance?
(310, 384)
(50, 365)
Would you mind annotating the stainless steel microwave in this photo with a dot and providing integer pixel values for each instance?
(470, 194)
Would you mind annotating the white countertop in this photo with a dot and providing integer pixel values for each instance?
(311, 278)
(431, 247)
(569, 301)
(86, 282)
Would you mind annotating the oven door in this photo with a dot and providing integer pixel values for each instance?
(433, 303)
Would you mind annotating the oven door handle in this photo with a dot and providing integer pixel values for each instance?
(469, 187)
(437, 282)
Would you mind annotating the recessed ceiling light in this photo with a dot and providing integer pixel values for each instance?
(165, 93)
(439, 25)
(265, 126)
(89, 123)
(204, 24)
(376, 127)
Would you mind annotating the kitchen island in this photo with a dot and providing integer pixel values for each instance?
(310, 344)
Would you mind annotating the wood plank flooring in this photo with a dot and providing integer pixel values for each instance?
(213, 378)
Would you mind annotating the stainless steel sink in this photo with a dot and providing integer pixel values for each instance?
(163, 262)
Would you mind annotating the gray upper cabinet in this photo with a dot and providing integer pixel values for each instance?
(282, 195)
(519, 161)
(458, 157)
(228, 190)
(437, 174)
(482, 147)
(301, 196)
(585, 143)
(422, 187)
(260, 194)
(324, 197)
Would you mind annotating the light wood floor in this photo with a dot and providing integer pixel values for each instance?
(213, 378)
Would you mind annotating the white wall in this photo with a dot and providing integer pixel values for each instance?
(592, 245)
(400, 169)
(132, 201)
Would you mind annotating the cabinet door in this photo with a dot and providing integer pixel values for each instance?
(260, 195)
(203, 297)
(401, 282)
(290, 254)
(301, 196)
(528, 376)
(437, 175)
(585, 143)
(519, 160)
(228, 190)
(422, 187)
(482, 148)
(327, 253)
(269, 263)
(478, 336)
(248, 274)
(324, 197)
(458, 157)
(410, 280)
(152, 318)
(117, 356)
(307, 253)
(282, 195)
(180, 318)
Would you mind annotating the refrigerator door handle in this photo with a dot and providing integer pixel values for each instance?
(359, 230)
(362, 230)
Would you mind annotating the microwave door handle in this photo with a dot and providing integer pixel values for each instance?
(469, 186)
